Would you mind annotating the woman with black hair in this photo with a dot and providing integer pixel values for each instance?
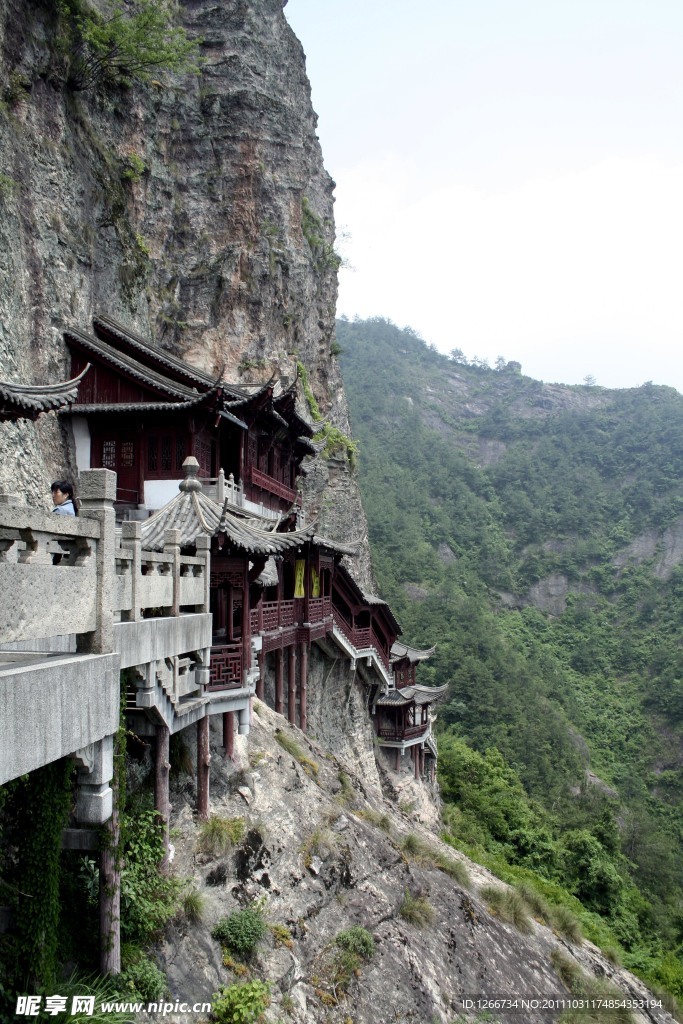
(63, 498)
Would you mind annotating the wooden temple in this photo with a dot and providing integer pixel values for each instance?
(206, 458)
(141, 412)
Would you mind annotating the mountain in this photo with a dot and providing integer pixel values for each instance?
(535, 533)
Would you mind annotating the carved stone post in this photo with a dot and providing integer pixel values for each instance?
(162, 768)
(291, 685)
(98, 492)
(228, 734)
(131, 534)
(303, 685)
(172, 549)
(203, 762)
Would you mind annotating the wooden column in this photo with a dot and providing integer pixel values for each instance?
(162, 768)
(110, 893)
(303, 685)
(291, 685)
(279, 682)
(246, 628)
(261, 681)
(203, 762)
(416, 761)
(228, 734)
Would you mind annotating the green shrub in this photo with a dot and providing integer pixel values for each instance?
(242, 931)
(240, 1004)
(566, 924)
(569, 972)
(193, 905)
(429, 856)
(382, 821)
(217, 834)
(416, 910)
(289, 744)
(508, 905)
(142, 980)
(358, 940)
(536, 903)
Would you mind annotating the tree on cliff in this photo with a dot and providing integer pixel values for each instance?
(130, 41)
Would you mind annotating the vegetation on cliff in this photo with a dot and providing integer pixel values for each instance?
(531, 531)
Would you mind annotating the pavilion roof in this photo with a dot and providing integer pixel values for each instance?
(412, 695)
(28, 401)
(193, 514)
(414, 655)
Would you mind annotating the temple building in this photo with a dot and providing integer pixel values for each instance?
(140, 412)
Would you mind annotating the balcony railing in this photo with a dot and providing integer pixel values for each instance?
(396, 734)
(226, 667)
(268, 483)
(361, 638)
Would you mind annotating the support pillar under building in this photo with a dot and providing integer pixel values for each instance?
(303, 685)
(162, 768)
(228, 734)
(279, 682)
(291, 685)
(203, 762)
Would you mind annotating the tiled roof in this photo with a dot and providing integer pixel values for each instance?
(194, 514)
(413, 654)
(27, 401)
(412, 695)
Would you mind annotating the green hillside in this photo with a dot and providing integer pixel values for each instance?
(535, 533)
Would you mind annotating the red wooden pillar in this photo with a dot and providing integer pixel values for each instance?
(261, 682)
(203, 762)
(246, 629)
(279, 682)
(228, 734)
(162, 767)
(416, 761)
(291, 685)
(303, 686)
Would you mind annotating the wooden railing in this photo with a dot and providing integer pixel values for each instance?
(360, 638)
(268, 483)
(226, 667)
(396, 734)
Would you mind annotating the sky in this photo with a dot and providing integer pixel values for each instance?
(509, 176)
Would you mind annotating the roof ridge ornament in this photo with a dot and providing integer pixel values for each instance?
(191, 470)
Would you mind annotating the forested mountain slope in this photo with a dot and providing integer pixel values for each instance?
(535, 533)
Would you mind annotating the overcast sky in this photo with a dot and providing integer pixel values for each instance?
(509, 175)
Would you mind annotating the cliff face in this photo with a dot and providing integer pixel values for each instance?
(187, 208)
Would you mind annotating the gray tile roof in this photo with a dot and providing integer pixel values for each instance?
(26, 401)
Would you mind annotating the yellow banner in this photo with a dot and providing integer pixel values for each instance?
(299, 573)
(315, 581)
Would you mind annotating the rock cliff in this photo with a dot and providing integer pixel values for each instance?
(198, 211)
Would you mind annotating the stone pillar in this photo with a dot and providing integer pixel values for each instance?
(172, 549)
(94, 795)
(203, 762)
(243, 721)
(131, 539)
(303, 685)
(291, 685)
(203, 549)
(228, 734)
(279, 682)
(98, 492)
(162, 768)
(397, 765)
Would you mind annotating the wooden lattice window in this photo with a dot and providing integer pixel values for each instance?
(109, 454)
(152, 456)
(179, 453)
(203, 453)
(127, 453)
(166, 449)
